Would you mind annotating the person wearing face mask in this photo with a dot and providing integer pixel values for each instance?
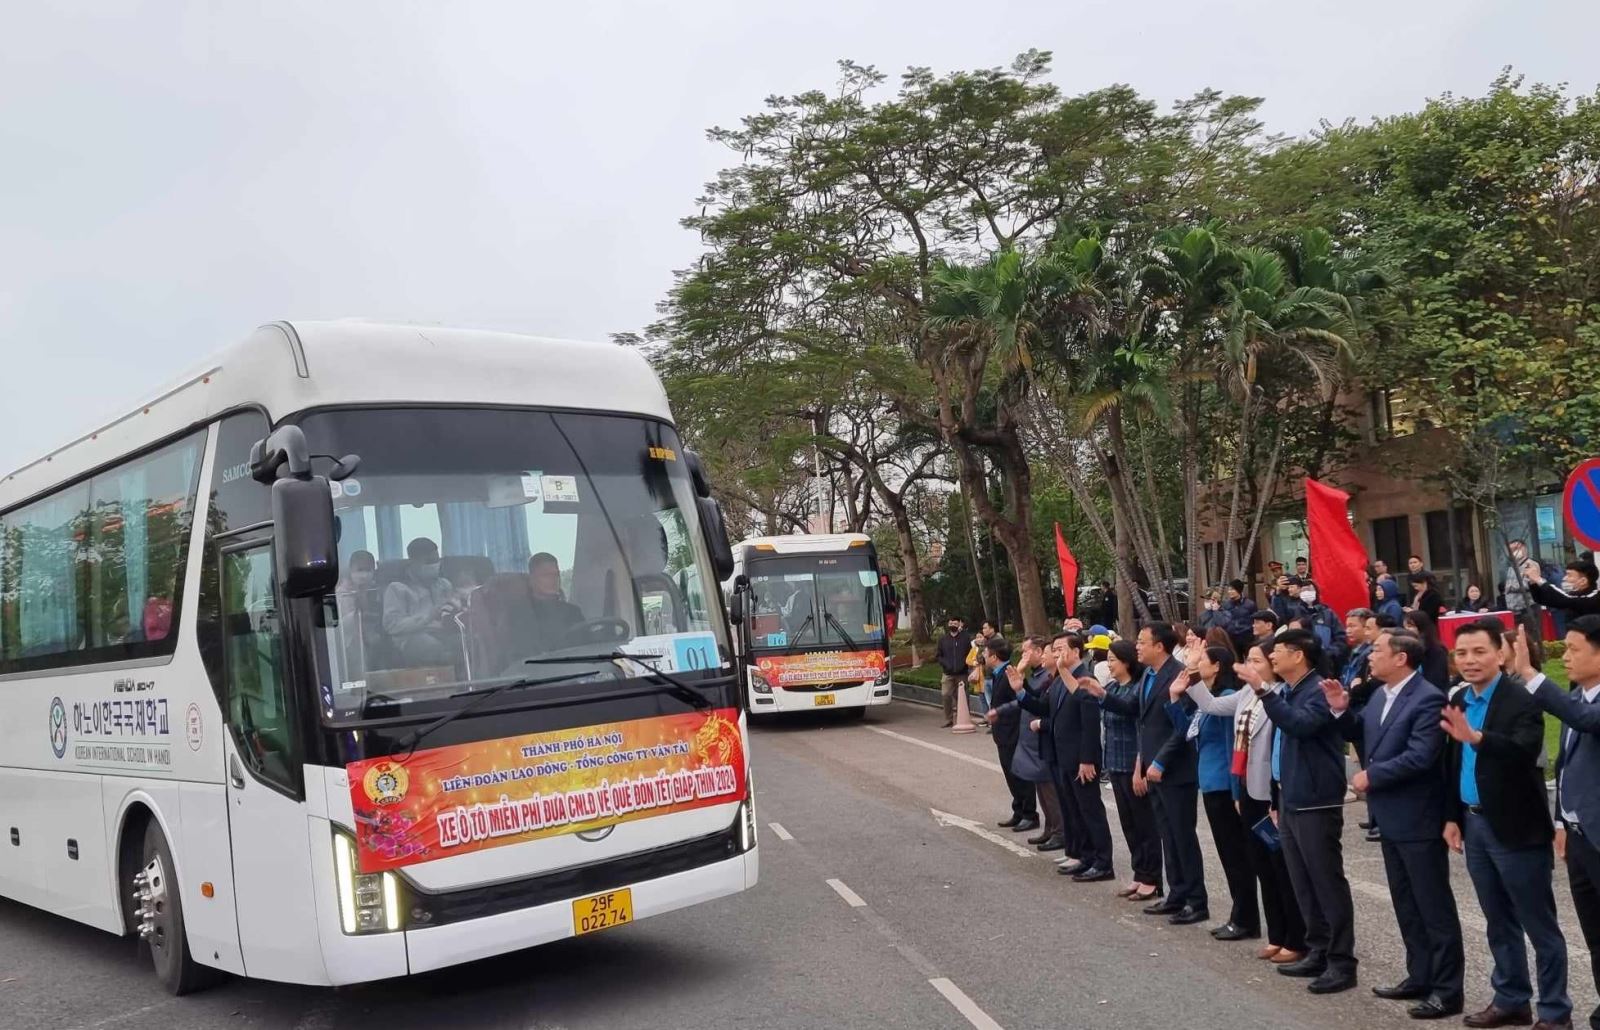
(952, 655)
(1327, 627)
(1577, 594)
(416, 608)
(359, 572)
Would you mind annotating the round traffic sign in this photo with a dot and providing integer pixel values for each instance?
(1581, 503)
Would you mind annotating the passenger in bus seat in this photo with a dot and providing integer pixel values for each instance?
(418, 610)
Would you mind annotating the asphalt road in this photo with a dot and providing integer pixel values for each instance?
(879, 906)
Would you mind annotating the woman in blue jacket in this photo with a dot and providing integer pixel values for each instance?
(1213, 736)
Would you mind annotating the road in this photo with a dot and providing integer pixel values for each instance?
(873, 911)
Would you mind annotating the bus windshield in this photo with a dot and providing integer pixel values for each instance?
(815, 601)
(474, 540)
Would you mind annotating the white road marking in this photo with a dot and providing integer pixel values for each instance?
(850, 897)
(781, 832)
(952, 752)
(972, 826)
(963, 1004)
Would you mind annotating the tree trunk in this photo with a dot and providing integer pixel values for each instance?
(972, 553)
(1245, 412)
(1127, 596)
(916, 608)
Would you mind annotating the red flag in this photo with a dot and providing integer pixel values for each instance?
(1069, 572)
(1338, 561)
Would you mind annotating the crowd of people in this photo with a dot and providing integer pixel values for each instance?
(1249, 714)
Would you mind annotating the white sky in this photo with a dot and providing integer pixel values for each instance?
(173, 174)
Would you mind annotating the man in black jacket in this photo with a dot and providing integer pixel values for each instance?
(952, 655)
(1007, 723)
(1070, 724)
(1310, 752)
(1576, 595)
(1495, 811)
(1169, 764)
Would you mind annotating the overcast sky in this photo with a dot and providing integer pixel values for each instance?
(174, 174)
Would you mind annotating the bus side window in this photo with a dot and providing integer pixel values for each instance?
(257, 697)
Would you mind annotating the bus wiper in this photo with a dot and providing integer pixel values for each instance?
(409, 744)
(675, 686)
(851, 644)
(803, 627)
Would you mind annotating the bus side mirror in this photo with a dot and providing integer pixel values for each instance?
(736, 608)
(716, 533)
(304, 536)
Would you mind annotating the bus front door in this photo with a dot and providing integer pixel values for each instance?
(267, 820)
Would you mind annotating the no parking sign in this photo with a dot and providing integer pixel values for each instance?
(1581, 503)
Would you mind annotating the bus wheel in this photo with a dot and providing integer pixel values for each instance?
(159, 914)
(859, 714)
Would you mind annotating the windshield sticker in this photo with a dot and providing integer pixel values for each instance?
(796, 670)
(777, 640)
(560, 489)
(678, 652)
(530, 486)
(463, 798)
(663, 454)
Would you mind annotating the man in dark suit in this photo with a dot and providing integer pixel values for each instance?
(1007, 730)
(1577, 771)
(1169, 764)
(1405, 794)
(1071, 726)
(1310, 752)
(1495, 811)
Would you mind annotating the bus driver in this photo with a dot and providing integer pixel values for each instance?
(415, 609)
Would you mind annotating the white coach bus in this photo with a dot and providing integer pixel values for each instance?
(370, 649)
(810, 616)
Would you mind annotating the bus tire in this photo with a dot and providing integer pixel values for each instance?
(859, 714)
(158, 917)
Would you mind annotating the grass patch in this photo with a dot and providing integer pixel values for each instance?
(1552, 725)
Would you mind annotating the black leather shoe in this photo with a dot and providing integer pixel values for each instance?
(1492, 1015)
(1053, 844)
(1188, 916)
(1040, 838)
(1025, 826)
(1404, 991)
(1332, 982)
(1071, 869)
(1374, 835)
(1231, 932)
(1094, 876)
(1162, 908)
(1365, 824)
(1434, 1007)
(1310, 966)
(1009, 823)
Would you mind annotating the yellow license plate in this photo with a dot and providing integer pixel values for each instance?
(603, 911)
(822, 700)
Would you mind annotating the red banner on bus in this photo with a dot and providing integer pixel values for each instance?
(799, 670)
(467, 797)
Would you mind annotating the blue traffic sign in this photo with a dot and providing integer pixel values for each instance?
(1581, 503)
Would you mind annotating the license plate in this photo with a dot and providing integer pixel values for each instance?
(822, 700)
(602, 911)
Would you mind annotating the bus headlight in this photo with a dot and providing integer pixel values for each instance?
(883, 678)
(747, 824)
(368, 902)
(758, 683)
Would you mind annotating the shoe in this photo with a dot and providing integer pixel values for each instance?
(1285, 957)
(1374, 835)
(1094, 876)
(1269, 953)
(1310, 966)
(1009, 823)
(1492, 1015)
(1365, 824)
(1145, 895)
(1071, 870)
(1331, 982)
(1025, 826)
(1545, 1024)
(1041, 837)
(1405, 991)
(1053, 844)
(1128, 892)
(1231, 932)
(1188, 916)
(947, 725)
(1066, 860)
(1162, 908)
(1434, 1007)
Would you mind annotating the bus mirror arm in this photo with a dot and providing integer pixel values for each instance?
(282, 454)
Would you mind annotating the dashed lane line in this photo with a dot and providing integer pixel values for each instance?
(963, 1004)
(850, 897)
(941, 749)
(781, 832)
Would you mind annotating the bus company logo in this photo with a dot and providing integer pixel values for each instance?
(58, 728)
(663, 454)
(236, 472)
(386, 783)
(195, 727)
